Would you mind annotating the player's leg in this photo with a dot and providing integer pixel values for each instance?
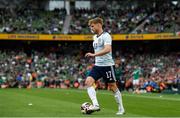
(90, 80)
(92, 94)
(136, 85)
(118, 98)
(91, 90)
(111, 80)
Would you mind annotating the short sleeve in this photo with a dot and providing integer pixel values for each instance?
(107, 39)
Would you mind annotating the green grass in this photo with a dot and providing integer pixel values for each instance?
(66, 103)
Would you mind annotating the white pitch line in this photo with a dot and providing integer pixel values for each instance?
(149, 97)
(141, 96)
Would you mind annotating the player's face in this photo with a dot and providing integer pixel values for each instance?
(94, 28)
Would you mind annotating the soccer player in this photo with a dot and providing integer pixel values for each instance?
(135, 75)
(104, 65)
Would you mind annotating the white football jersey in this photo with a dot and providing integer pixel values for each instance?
(98, 44)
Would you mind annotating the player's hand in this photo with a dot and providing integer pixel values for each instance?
(89, 55)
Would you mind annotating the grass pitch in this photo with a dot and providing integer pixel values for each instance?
(67, 102)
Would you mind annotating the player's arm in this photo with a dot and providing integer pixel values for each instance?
(105, 50)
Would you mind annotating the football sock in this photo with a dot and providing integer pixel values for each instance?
(92, 94)
(118, 99)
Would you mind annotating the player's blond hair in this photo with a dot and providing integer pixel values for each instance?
(95, 21)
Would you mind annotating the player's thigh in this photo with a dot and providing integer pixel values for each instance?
(93, 76)
(89, 81)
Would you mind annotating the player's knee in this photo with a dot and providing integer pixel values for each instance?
(112, 86)
(89, 81)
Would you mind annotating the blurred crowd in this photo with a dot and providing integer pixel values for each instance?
(154, 72)
(50, 67)
(129, 18)
(137, 68)
(121, 20)
(62, 67)
(31, 21)
(120, 17)
(165, 19)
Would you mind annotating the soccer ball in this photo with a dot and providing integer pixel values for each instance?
(85, 107)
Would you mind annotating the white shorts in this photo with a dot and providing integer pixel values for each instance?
(136, 82)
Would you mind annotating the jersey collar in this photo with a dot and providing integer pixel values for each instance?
(99, 34)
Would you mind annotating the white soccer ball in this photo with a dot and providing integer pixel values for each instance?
(85, 107)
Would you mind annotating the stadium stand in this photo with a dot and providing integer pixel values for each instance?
(126, 18)
(26, 64)
(165, 19)
(53, 66)
(32, 21)
(123, 17)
